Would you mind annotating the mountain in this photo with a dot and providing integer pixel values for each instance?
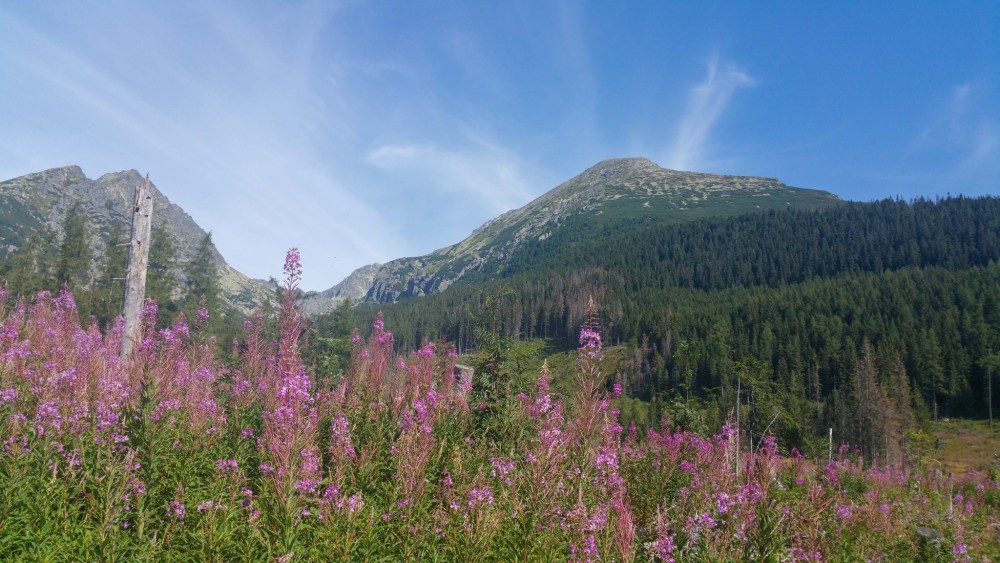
(787, 301)
(354, 287)
(623, 188)
(41, 200)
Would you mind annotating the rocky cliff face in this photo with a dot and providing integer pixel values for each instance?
(612, 189)
(354, 287)
(42, 199)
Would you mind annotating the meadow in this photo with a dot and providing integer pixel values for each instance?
(175, 454)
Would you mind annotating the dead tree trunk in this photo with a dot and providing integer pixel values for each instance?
(138, 260)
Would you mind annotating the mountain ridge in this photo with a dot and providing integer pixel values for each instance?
(610, 189)
(42, 199)
(617, 187)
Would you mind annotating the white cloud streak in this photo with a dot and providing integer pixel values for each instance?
(706, 104)
(235, 129)
(490, 179)
(966, 134)
(272, 126)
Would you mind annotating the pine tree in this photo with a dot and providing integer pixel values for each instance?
(202, 275)
(28, 270)
(874, 417)
(901, 415)
(75, 254)
(110, 285)
(930, 365)
(161, 279)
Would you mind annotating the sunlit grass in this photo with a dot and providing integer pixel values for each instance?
(965, 445)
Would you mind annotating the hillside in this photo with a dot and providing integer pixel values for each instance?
(796, 293)
(612, 190)
(41, 201)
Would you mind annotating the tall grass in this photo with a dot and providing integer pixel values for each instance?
(171, 455)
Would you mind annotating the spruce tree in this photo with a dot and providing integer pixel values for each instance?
(161, 279)
(202, 275)
(110, 285)
(21, 268)
(75, 254)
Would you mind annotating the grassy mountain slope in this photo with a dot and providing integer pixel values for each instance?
(632, 189)
(801, 290)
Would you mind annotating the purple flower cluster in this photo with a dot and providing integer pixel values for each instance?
(480, 495)
(65, 394)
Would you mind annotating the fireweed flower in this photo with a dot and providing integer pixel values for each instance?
(227, 466)
(211, 505)
(176, 510)
(481, 495)
(843, 512)
(502, 469)
(415, 444)
(702, 521)
(355, 503)
(543, 401)
(664, 545)
(290, 422)
(341, 448)
(373, 361)
(201, 316)
(590, 344)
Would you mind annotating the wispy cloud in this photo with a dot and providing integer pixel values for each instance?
(489, 179)
(965, 133)
(949, 124)
(234, 123)
(707, 102)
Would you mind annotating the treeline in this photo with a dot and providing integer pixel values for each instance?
(48, 260)
(802, 292)
(776, 247)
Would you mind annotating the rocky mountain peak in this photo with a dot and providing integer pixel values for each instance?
(62, 176)
(611, 190)
(614, 169)
(42, 200)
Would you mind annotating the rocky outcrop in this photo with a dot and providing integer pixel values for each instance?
(354, 287)
(45, 197)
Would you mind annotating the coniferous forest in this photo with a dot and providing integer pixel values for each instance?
(800, 302)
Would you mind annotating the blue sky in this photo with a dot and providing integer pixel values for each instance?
(366, 131)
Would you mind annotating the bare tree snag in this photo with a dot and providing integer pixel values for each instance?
(138, 260)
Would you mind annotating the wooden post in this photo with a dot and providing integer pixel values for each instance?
(138, 260)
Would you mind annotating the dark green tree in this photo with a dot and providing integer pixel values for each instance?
(29, 269)
(330, 354)
(109, 287)
(75, 254)
(161, 276)
(202, 273)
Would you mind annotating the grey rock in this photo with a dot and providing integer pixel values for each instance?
(46, 197)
